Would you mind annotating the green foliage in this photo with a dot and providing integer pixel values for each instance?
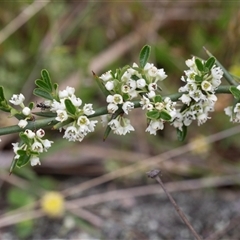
(144, 55)
(182, 134)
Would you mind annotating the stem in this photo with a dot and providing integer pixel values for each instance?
(49, 122)
(154, 174)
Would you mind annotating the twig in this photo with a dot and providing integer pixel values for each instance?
(154, 174)
(217, 235)
(23, 17)
(147, 163)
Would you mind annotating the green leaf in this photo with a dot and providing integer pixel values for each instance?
(209, 63)
(31, 105)
(70, 107)
(24, 138)
(23, 159)
(144, 55)
(198, 78)
(106, 133)
(153, 115)
(13, 165)
(41, 84)
(199, 64)
(182, 134)
(2, 97)
(47, 79)
(158, 98)
(101, 86)
(43, 94)
(165, 116)
(235, 92)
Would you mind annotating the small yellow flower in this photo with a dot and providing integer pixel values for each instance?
(52, 204)
(200, 146)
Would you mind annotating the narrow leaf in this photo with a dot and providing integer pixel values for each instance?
(153, 115)
(158, 98)
(235, 92)
(182, 134)
(46, 78)
(199, 65)
(101, 86)
(70, 107)
(2, 97)
(41, 84)
(165, 116)
(23, 160)
(144, 55)
(43, 94)
(209, 63)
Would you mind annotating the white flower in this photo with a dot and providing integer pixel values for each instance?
(106, 76)
(141, 83)
(58, 105)
(92, 125)
(228, 111)
(127, 106)
(22, 123)
(61, 115)
(190, 62)
(160, 75)
(206, 86)
(37, 147)
(77, 102)
(83, 121)
(17, 99)
(70, 90)
(132, 84)
(149, 107)
(109, 99)
(238, 87)
(125, 88)
(117, 99)
(104, 120)
(71, 133)
(40, 133)
(152, 87)
(132, 94)
(88, 109)
(151, 94)
(34, 160)
(30, 134)
(197, 95)
(15, 147)
(144, 102)
(47, 144)
(121, 125)
(112, 108)
(26, 111)
(109, 85)
(159, 106)
(185, 99)
(202, 118)
(154, 126)
(63, 94)
(217, 72)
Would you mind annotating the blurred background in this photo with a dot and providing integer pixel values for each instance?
(104, 184)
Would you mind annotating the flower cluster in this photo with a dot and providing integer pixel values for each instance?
(158, 112)
(198, 93)
(234, 111)
(68, 108)
(17, 100)
(128, 84)
(31, 147)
